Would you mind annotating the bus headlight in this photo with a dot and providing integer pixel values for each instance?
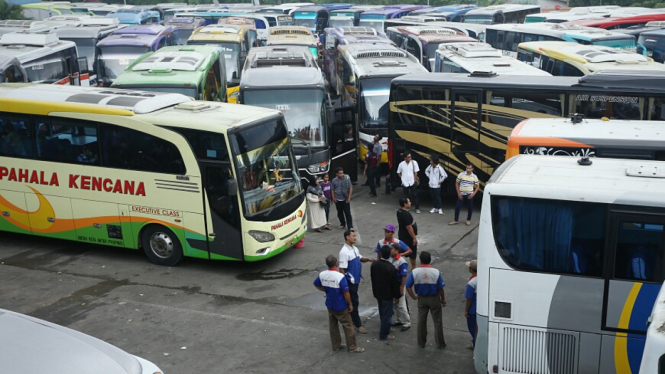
(318, 168)
(261, 236)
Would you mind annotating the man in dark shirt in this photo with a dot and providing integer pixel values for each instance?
(386, 289)
(408, 230)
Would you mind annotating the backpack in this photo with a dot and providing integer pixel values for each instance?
(373, 160)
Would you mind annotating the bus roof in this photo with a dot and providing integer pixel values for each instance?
(379, 60)
(27, 47)
(626, 133)
(219, 33)
(654, 33)
(434, 34)
(599, 57)
(145, 29)
(628, 81)
(283, 30)
(611, 181)
(176, 65)
(604, 22)
(294, 35)
(558, 30)
(505, 8)
(281, 67)
(128, 39)
(476, 56)
(166, 109)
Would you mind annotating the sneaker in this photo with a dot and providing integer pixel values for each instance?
(433, 210)
(453, 223)
(441, 211)
(418, 211)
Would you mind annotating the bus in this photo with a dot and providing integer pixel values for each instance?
(124, 46)
(505, 13)
(572, 14)
(562, 237)
(295, 35)
(275, 19)
(581, 137)
(185, 27)
(468, 118)
(572, 59)
(86, 36)
(45, 58)
(145, 170)
(315, 18)
(376, 18)
(508, 37)
(11, 70)
(467, 58)
(451, 13)
(283, 8)
(363, 75)
(46, 9)
(620, 22)
(133, 16)
(235, 43)
(423, 41)
(196, 71)
(653, 44)
(344, 18)
(653, 360)
(287, 78)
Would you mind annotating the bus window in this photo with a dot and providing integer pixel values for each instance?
(465, 132)
(639, 251)
(129, 149)
(550, 236)
(618, 107)
(49, 69)
(16, 136)
(207, 146)
(73, 142)
(492, 37)
(413, 47)
(450, 66)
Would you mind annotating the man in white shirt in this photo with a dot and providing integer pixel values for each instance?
(436, 176)
(408, 173)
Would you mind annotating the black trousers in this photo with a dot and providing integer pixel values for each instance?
(344, 213)
(373, 177)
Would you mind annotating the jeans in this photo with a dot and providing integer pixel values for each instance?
(412, 190)
(436, 197)
(471, 325)
(458, 206)
(372, 174)
(386, 313)
(327, 209)
(355, 316)
(344, 213)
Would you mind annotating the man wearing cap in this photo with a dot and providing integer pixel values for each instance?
(401, 311)
(389, 239)
(428, 285)
(470, 296)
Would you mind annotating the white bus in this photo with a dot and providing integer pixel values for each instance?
(504, 13)
(571, 257)
(479, 57)
(156, 171)
(653, 359)
(45, 58)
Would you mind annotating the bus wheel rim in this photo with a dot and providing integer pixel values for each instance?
(161, 245)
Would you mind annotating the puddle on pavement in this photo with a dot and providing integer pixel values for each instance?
(279, 274)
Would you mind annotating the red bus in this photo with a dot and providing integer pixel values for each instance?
(611, 23)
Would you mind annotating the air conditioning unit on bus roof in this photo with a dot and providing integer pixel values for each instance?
(430, 31)
(24, 24)
(99, 21)
(290, 30)
(471, 50)
(358, 30)
(380, 53)
(28, 38)
(655, 24)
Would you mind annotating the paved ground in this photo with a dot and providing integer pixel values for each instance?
(217, 317)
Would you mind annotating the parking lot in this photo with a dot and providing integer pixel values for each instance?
(224, 317)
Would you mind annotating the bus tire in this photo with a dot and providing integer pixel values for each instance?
(161, 245)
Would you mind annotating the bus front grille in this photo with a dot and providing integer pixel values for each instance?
(537, 351)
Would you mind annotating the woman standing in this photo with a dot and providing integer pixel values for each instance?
(316, 213)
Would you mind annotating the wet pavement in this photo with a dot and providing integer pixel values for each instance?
(221, 317)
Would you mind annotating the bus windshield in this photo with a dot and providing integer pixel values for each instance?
(375, 109)
(307, 22)
(231, 56)
(302, 109)
(49, 70)
(624, 43)
(653, 42)
(86, 48)
(341, 22)
(482, 20)
(115, 59)
(374, 21)
(266, 166)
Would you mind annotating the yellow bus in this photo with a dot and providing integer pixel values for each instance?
(235, 41)
(146, 170)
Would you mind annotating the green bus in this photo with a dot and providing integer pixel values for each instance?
(194, 70)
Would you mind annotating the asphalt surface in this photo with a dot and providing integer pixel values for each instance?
(222, 317)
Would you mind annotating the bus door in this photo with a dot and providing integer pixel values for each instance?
(465, 126)
(634, 272)
(344, 140)
(222, 196)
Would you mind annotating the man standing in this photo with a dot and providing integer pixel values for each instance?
(389, 239)
(408, 173)
(428, 285)
(377, 148)
(402, 267)
(338, 302)
(385, 289)
(371, 171)
(470, 308)
(341, 194)
(467, 185)
(436, 176)
(408, 229)
(350, 265)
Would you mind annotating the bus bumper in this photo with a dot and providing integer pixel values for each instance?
(480, 351)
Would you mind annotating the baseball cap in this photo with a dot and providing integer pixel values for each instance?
(390, 227)
(472, 264)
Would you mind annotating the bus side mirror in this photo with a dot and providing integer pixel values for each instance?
(232, 187)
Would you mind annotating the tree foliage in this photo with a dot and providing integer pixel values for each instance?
(10, 11)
